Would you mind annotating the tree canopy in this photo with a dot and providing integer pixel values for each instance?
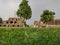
(47, 16)
(0, 20)
(24, 10)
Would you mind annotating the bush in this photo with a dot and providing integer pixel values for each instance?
(0, 20)
(29, 36)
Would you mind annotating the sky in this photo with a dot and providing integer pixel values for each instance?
(8, 8)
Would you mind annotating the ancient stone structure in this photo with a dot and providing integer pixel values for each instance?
(13, 22)
(54, 23)
(38, 24)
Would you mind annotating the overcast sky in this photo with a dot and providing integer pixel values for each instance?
(8, 8)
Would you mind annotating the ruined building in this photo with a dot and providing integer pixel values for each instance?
(54, 23)
(38, 24)
(13, 22)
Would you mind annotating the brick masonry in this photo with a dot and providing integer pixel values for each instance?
(13, 22)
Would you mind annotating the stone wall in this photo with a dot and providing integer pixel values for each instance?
(55, 23)
(13, 22)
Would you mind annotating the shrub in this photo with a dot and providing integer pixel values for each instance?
(0, 20)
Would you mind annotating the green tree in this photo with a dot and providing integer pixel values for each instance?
(24, 10)
(0, 20)
(47, 16)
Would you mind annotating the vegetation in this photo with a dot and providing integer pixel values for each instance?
(24, 10)
(1, 20)
(29, 36)
(47, 16)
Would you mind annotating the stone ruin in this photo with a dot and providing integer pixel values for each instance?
(13, 22)
(54, 23)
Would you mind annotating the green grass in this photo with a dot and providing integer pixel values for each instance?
(29, 36)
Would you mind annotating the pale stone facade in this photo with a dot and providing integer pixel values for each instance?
(55, 23)
(38, 24)
(13, 22)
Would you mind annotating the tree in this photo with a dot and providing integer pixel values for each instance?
(47, 16)
(24, 10)
(0, 20)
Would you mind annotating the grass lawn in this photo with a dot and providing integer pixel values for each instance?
(29, 36)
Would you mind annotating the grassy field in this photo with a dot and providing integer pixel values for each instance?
(29, 36)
